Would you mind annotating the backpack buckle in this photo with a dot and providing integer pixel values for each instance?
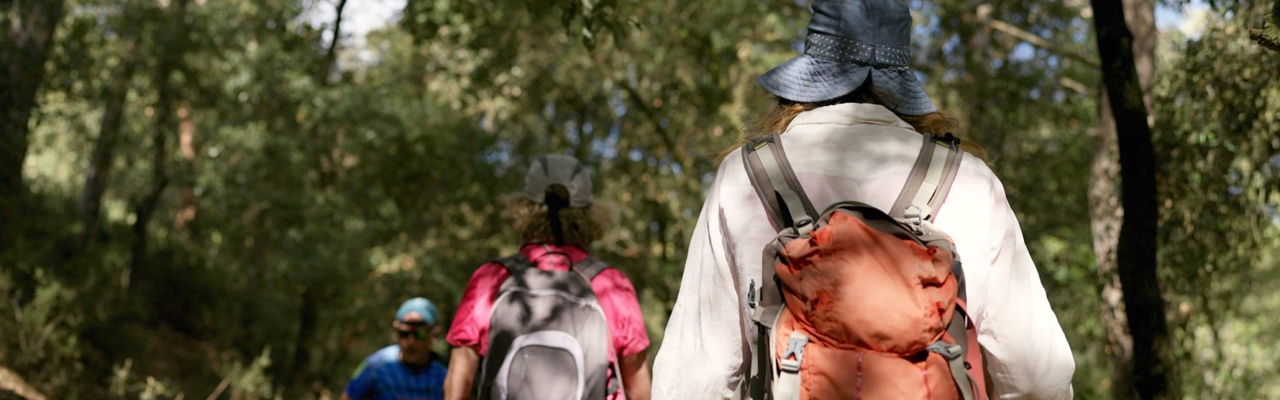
(795, 347)
(950, 351)
(914, 216)
(804, 226)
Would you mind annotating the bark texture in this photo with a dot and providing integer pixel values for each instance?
(1105, 211)
(1152, 370)
(28, 33)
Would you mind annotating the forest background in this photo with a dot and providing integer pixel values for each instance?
(227, 198)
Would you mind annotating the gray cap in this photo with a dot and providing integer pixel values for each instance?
(556, 169)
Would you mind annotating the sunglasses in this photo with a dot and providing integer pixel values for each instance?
(419, 334)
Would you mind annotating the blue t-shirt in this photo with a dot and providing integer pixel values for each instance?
(383, 377)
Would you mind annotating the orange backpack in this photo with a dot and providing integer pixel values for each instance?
(857, 303)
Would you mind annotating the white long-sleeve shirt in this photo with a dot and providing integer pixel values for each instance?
(858, 152)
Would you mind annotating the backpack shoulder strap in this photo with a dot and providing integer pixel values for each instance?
(788, 208)
(776, 183)
(590, 267)
(930, 178)
(515, 264)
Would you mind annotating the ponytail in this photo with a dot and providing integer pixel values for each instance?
(557, 198)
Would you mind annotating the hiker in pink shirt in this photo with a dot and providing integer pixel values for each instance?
(557, 219)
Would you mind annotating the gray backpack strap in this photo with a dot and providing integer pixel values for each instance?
(959, 330)
(930, 179)
(589, 267)
(788, 208)
(776, 183)
(515, 263)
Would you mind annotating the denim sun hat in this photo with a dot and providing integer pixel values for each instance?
(426, 311)
(556, 169)
(850, 42)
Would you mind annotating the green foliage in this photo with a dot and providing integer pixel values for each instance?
(41, 339)
(1217, 122)
(305, 200)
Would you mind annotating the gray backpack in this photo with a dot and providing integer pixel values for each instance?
(548, 337)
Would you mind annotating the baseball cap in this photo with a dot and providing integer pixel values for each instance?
(417, 310)
(556, 169)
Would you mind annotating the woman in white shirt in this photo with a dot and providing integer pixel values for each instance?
(852, 116)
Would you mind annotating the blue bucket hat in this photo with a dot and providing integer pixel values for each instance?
(849, 43)
(423, 307)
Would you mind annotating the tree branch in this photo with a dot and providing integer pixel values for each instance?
(331, 55)
(1040, 42)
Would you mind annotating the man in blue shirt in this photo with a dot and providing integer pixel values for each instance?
(407, 370)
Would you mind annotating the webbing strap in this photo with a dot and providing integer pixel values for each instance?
(775, 182)
(960, 318)
(930, 178)
(758, 383)
(590, 267)
(788, 385)
(914, 179)
(959, 330)
(949, 172)
(515, 264)
(955, 362)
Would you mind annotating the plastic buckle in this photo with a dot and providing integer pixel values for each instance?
(760, 142)
(804, 226)
(950, 351)
(914, 216)
(795, 347)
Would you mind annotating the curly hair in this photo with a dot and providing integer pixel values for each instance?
(582, 226)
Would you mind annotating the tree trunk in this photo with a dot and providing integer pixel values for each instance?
(30, 25)
(114, 96)
(1104, 200)
(1105, 215)
(307, 318)
(145, 207)
(172, 38)
(327, 166)
(331, 55)
(1152, 370)
(187, 146)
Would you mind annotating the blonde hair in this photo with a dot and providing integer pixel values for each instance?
(782, 111)
(581, 226)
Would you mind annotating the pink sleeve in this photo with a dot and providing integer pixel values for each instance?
(471, 323)
(621, 307)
